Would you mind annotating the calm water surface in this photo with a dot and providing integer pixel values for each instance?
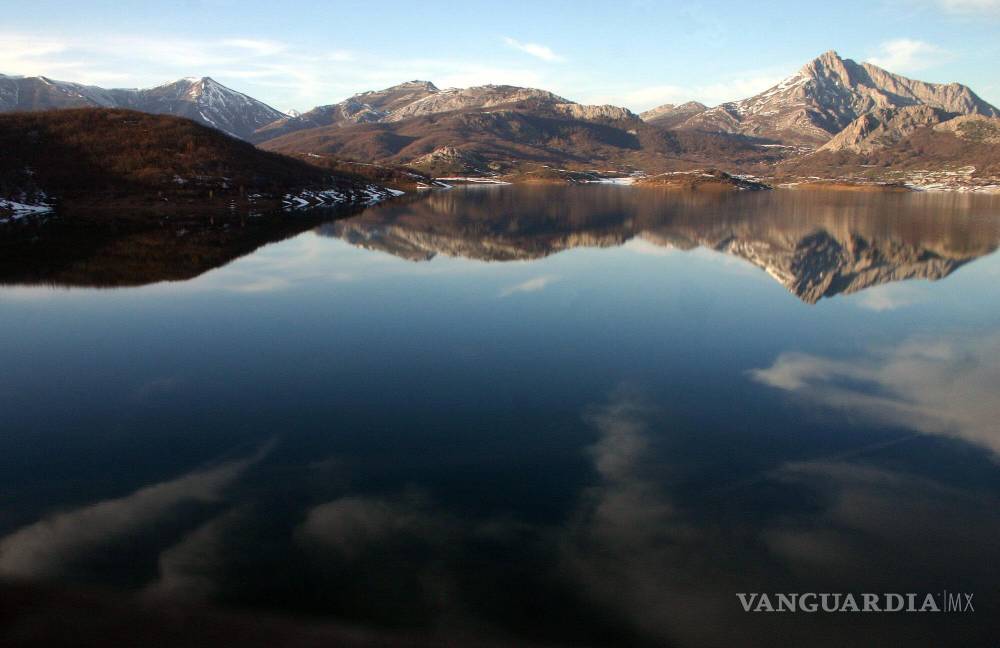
(585, 415)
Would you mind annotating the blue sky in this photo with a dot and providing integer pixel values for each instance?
(637, 54)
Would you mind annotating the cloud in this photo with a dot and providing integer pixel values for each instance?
(642, 245)
(534, 49)
(971, 6)
(44, 548)
(351, 525)
(890, 297)
(710, 94)
(943, 387)
(531, 285)
(254, 46)
(189, 570)
(272, 71)
(906, 54)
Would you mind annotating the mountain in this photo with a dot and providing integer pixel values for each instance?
(825, 96)
(423, 98)
(497, 128)
(203, 100)
(106, 160)
(206, 101)
(671, 116)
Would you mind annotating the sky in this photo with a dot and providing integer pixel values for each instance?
(637, 54)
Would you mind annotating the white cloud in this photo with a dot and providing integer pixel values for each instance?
(971, 6)
(906, 54)
(890, 297)
(534, 49)
(710, 94)
(641, 245)
(275, 72)
(941, 387)
(44, 548)
(255, 46)
(531, 285)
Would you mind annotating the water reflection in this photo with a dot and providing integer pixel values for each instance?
(50, 546)
(598, 447)
(944, 386)
(633, 561)
(816, 244)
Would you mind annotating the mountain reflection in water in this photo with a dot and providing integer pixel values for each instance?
(817, 244)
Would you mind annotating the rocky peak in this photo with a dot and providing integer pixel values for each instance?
(825, 96)
(884, 127)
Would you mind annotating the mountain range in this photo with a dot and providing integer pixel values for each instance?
(833, 116)
(203, 100)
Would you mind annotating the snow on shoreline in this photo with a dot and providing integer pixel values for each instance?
(308, 198)
(12, 210)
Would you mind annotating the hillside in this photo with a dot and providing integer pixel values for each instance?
(103, 158)
(361, 108)
(960, 153)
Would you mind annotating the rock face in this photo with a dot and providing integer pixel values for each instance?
(203, 100)
(594, 113)
(973, 128)
(825, 96)
(884, 127)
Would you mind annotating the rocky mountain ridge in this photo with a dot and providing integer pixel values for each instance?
(825, 96)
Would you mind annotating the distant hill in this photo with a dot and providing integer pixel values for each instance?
(100, 157)
(500, 128)
(202, 99)
(671, 116)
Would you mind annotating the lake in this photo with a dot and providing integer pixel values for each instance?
(586, 415)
